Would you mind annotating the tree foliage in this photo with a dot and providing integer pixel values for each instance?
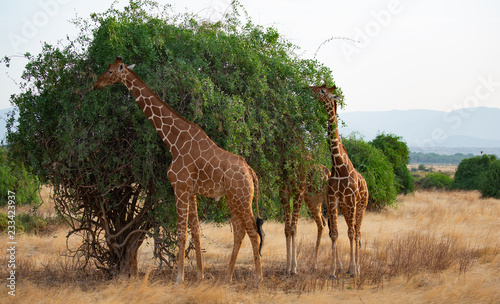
(490, 180)
(398, 155)
(14, 178)
(375, 168)
(470, 171)
(437, 180)
(242, 83)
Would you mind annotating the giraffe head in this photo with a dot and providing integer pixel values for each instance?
(116, 72)
(327, 95)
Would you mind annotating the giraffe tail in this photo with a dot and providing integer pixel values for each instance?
(261, 233)
(258, 221)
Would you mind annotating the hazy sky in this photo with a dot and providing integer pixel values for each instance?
(401, 54)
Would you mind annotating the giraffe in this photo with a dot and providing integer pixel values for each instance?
(304, 187)
(347, 187)
(199, 167)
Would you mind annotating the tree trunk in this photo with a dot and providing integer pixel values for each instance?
(127, 264)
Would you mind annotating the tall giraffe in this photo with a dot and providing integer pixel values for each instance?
(304, 187)
(347, 187)
(198, 166)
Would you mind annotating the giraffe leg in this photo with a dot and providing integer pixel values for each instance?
(357, 244)
(293, 265)
(360, 213)
(333, 215)
(182, 206)
(239, 234)
(349, 211)
(295, 218)
(288, 236)
(315, 208)
(251, 230)
(195, 232)
(285, 202)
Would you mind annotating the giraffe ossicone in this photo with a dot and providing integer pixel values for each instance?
(347, 187)
(199, 167)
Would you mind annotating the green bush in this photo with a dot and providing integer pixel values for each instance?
(490, 180)
(14, 178)
(424, 168)
(437, 180)
(30, 223)
(470, 171)
(397, 153)
(375, 168)
(4, 221)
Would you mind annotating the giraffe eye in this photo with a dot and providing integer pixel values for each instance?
(110, 72)
(322, 91)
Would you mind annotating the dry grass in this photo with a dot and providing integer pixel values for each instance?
(450, 169)
(437, 247)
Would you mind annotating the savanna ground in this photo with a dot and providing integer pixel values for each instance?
(436, 247)
(450, 169)
(418, 174)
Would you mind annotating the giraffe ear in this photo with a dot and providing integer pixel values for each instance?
(131, 67)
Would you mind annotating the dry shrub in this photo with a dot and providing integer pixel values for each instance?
(417, 252)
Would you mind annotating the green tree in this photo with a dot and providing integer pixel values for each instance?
(422, 167)
(398, 155)
(437, 180)
(243, 84)
(470, 171)
(16, 181)
(375, 168)
(490, 180)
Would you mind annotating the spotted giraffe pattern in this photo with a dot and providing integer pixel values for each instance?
(199, 167)
(304, 188)
(347, 187)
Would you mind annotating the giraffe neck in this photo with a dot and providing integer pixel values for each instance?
(340, 161)
(169, 125)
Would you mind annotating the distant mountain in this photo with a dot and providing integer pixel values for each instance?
(426, 129)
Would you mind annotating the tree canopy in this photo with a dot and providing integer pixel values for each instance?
(242, 83)
(490, 180)
(479, 173)
(469, 175)
(16, 181)
(375, 168)
(398, 155)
